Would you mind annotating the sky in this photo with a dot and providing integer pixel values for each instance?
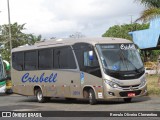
(61, 18)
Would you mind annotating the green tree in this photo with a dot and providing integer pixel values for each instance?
(19, 38)
(121, 31)
(152, 10)
(32, 39)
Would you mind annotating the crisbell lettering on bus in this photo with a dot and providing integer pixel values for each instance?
(51, 78)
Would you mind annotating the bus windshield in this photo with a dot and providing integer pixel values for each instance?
(120, 57)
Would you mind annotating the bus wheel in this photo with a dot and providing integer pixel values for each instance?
(40, 97)
(127, 100)
(92, 97)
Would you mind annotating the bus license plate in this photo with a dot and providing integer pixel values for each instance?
(131, 94)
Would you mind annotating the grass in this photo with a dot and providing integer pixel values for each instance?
(152, 85)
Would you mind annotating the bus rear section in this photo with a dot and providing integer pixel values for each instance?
(93, 69)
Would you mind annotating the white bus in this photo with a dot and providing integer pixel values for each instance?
(4, 77)
(88, 68)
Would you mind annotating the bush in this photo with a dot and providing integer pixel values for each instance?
(152, 85)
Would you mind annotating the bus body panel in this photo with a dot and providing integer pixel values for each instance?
(68, 84)
(60, 86)
(95, 83)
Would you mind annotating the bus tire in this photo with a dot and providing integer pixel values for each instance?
(40, 97)
(127, 100)
(92, 97)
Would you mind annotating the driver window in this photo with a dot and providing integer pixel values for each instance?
(90, 59)
(87, 59)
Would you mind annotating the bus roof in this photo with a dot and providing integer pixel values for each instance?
(70, 41)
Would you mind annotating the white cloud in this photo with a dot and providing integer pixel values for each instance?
(64, 17)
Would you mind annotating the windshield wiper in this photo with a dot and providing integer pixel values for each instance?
(130, 63)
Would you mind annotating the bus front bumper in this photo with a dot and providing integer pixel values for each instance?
(125, 93)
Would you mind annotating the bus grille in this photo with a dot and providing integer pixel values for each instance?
(130, 86)
(134, 87)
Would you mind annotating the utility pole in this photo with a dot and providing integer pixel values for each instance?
(131, 22)
(131, 18)
(9, 22)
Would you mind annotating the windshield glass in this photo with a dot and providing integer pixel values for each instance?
(119, 57)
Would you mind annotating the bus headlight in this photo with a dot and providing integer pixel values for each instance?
(112, 84)
(143, 81)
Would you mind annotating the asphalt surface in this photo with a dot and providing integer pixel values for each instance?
(17, 102)
(22, 103)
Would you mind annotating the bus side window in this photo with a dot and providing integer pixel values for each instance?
(90, 60)
(63, 58)
(17, 60)
(30, 60)
(45, 59)
(85, 64)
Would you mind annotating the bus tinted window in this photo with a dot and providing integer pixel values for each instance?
(30, 61)
(17, 60)
(85, 64)
(45, 59)
(90, 61)
(63, 58)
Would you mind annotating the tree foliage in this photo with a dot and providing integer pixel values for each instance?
(121, 31)
(152, 10)
(150, 3)
(19, 38)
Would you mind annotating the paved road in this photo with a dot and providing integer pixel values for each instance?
(22, 103)
(17, 102)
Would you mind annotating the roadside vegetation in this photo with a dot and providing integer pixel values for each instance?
(152, 10)
(19, 38)
(152, 85)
